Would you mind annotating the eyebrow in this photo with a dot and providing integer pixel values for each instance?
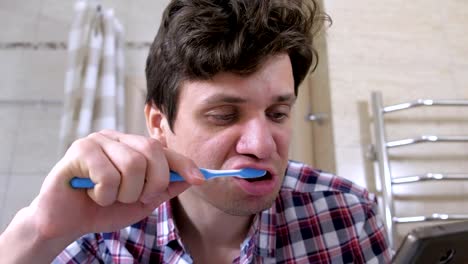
(286, 98)
(224, 98)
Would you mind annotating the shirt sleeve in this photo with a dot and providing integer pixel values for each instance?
(373, 238)
(86, 249)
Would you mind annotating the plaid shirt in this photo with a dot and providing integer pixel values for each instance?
(317, 218)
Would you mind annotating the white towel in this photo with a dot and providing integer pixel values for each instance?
(94, 81)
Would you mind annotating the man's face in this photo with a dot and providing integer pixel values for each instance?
(233, 122)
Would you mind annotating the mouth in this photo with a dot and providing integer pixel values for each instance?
(261, 186)
(265, 177)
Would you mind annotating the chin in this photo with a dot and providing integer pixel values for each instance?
(226, 196)
(249, 206)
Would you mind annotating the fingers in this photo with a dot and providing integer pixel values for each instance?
(130, 164)
(93, 162)
(184, 166)
(157, 169)
(159, 161)
(126, 169)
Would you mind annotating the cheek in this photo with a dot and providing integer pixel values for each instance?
(282, 139)
(206, 151)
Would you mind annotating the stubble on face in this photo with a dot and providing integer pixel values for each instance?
(232, 201)
(215, 147)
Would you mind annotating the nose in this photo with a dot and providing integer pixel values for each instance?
(256, 139)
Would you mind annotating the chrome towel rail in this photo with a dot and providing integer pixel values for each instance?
(381, 147)
(425, 138)
(430, 177)
(432, 217)
(424, 102)
(384, 165)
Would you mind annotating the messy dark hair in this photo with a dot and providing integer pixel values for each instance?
(198, 39)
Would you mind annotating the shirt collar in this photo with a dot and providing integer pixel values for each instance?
(265, 233)
(261, 237)
(166, 229)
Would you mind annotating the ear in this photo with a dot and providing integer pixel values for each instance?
(156, 123)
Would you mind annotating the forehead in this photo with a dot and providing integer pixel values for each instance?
(274, 78)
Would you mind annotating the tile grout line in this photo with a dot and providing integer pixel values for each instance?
(61, 45)
(38, 17)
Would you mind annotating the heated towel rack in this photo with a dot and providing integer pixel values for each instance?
(384, 169)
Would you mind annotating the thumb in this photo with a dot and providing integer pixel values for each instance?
(120, 215)
(176, 188)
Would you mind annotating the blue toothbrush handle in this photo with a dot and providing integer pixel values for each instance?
(86, 183)
(175, 177)
(81, 183)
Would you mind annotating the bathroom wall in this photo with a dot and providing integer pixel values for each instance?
(407, 50)
(31, 89)
(31, 86)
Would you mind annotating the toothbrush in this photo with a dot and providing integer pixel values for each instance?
(246, 173)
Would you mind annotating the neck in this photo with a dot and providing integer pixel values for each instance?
(205, 225)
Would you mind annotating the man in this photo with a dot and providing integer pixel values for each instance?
(222, 79)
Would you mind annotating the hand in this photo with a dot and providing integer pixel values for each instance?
(131, 176)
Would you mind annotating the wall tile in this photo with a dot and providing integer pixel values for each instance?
(142, 25)
(460, 79)
(351, 164)
(383, 46)
(33, 74)
(136, 94)
(135, 61)
(25, 8)
(46, 74)
(455, 20)
(21, 191)
(13, 72)
(4, 178)
(21, 27)
(9, 118)
(53, 30)
(349, 92)
(56, 17)
(122, 10)
(60, 11)
(37, 141)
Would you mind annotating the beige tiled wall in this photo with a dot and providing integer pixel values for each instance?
(407, 50)
(29, 132)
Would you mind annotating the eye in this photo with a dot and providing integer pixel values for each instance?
(222, 120)
(222, 116)
(279, 113)
(278, 117)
